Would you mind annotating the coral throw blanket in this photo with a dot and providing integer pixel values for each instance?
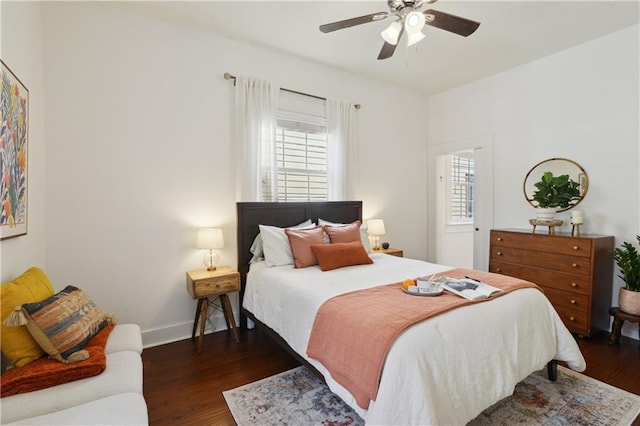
(353, 332)
(45, 372)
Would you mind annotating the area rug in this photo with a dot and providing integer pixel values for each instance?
(297, 397)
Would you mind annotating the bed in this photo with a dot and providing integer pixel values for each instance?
(444, 370)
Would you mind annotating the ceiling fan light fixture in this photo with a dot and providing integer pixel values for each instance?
(414, 22)
(414, 38)
(392, 33)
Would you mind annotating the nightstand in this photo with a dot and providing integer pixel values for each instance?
(391, 251)
(203, 285)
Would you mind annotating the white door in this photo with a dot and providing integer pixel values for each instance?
(452, 244)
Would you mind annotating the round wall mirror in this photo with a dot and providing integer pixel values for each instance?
(557, 166)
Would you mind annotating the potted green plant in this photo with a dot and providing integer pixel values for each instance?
(553, 193)
(628, 260)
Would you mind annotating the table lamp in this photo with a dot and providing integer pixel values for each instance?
(375, 229)
(210, 239)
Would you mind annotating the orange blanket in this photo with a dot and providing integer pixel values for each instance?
(45, 372)
(353, 332)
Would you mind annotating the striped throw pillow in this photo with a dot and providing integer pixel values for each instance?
(64, 323)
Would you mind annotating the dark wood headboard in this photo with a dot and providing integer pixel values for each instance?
(252, 214)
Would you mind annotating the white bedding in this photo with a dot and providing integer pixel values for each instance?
(445, 370)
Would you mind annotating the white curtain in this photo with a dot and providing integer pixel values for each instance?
(342, 165)
(255, 129)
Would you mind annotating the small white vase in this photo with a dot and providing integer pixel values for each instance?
(546, 213)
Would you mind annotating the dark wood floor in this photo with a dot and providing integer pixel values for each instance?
(185, 388)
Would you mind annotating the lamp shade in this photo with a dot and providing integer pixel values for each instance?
(210, 238)
(391, 34)
(414, 22)
(376, 227)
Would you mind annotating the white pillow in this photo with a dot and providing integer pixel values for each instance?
(257, 247)
(363, 232)
(275, 244)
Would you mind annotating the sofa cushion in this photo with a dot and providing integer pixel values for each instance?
(124, 337)
(63, 323)
(122, 409)
(17, 344)
(123, 374)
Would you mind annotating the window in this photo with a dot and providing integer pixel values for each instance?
(461, 178)
(301, 152)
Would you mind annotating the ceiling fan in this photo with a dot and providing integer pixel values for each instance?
(409, 18)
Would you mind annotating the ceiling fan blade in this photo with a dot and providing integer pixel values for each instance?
(455, 24)
(327, 28)
(389, 49)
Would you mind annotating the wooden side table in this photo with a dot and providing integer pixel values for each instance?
(203, 285)
(391, 251)
(619, 317)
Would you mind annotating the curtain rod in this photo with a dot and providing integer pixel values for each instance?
(228, 76)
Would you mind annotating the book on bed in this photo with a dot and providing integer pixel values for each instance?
(467, 287)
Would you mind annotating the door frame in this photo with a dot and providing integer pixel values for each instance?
(483, 201)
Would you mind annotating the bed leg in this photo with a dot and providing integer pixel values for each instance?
(552, 370)
(243, 321)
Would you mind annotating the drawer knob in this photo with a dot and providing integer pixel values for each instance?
(576, 248)
(572, 318)
(574, 285)
(499, 253)
(573, 302)
(574, 265)
(499, 238)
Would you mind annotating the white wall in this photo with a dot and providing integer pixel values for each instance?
(21, 51)
(580, 104)
(139, 155)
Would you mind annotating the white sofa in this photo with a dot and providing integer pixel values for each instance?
(113, 397)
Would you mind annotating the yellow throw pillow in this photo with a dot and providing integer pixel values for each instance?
(17, 344)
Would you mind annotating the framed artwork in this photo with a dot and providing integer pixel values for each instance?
(14, 112)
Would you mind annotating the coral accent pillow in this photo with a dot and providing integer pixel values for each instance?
(17, 344)
(275, 245)
(339, 255)
(301, 241)
(343, 233)
(64, 323)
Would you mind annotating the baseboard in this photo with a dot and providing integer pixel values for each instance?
(182, 331)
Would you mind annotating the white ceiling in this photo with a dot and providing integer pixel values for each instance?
(511, 33)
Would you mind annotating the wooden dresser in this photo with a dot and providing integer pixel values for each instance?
(575, 273)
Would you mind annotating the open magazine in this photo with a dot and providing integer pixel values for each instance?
(468, 288)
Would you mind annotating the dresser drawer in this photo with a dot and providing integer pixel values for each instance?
(574, 246)
(544, 277)
(579, 302)
(576, 321)
(539, 259)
